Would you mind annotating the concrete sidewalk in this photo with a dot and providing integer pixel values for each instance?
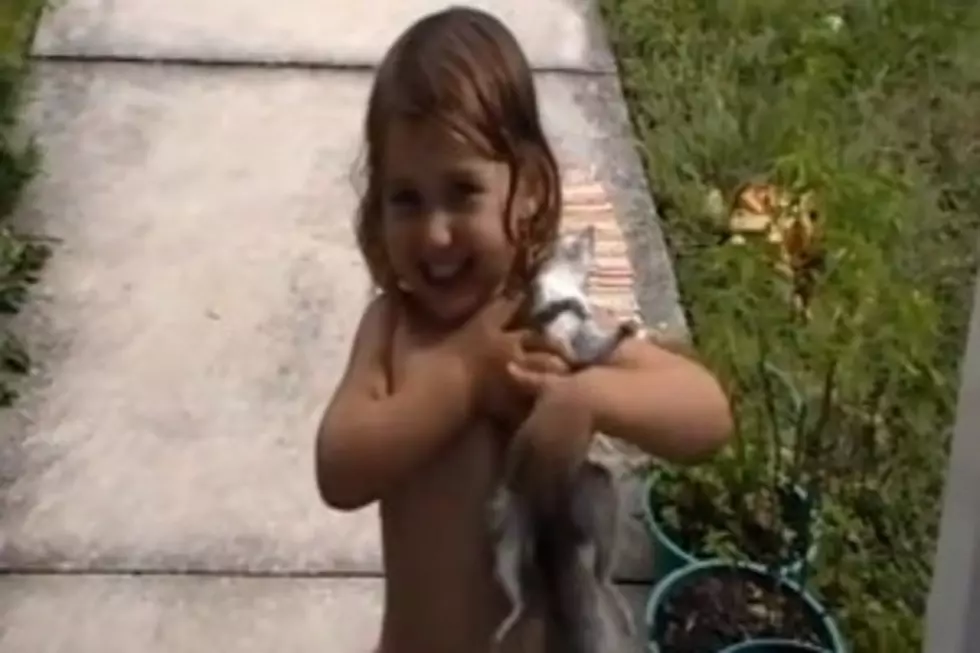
(157, 489)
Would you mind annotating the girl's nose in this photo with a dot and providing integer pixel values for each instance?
(438, 230)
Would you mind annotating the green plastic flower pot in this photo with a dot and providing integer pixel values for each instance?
(669, 556)
(774, 646)
(679, 578)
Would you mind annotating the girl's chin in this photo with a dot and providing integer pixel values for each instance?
(450, 308)
(452, 312)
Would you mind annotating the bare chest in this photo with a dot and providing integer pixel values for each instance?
(449, 492)
(438, 554)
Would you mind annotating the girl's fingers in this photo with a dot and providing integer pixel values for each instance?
(535, 341)
(528, 380)
(544, 362)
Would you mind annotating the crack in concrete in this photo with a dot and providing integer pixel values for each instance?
(273, 64)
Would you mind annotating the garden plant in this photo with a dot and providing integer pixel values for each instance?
(868, 111)
(21, 254)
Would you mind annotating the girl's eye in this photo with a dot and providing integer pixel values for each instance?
(464, 193)
(404, 199)
(467, 187)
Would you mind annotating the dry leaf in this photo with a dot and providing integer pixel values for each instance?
(745, 222)
(757, 198)
(788, 224)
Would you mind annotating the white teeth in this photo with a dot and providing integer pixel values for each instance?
(444, 271)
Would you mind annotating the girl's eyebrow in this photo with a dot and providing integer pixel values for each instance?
(464, 173)
(465, 170)
(398, 182)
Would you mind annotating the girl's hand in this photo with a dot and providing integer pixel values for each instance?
(471, 364)
(505, 397)
(453, 363)
(555, 438)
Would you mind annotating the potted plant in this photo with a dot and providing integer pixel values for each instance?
(671, 495)
(753, 503)
(750, 597)
(757, 503)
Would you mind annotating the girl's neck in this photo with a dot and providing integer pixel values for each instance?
(427, 320)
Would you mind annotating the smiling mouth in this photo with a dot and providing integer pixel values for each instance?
(445, 275)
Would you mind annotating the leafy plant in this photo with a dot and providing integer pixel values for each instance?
(761, 499)
(874, 105)
(21, 256)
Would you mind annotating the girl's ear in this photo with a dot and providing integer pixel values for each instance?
(526, 200)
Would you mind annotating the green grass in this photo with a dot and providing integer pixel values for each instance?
(881, 119)
(20, 256)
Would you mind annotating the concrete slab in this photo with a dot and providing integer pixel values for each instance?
(163, 614)
(192, 323)
(62, 614)
(196, 315)
(555, 34)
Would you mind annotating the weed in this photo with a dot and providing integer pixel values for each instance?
(21, 256)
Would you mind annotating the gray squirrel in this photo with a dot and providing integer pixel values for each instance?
(565, 557)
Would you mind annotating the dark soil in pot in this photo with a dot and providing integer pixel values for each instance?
(730, 606)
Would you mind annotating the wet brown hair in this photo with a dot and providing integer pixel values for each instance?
(463, 68)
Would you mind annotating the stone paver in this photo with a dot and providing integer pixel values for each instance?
(555, 33)
(198, 312)
(181, 614)
(193, 323)
(120, 614)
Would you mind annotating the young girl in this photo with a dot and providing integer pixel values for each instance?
(462, 204)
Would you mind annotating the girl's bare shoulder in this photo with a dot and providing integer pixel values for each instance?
(370, 354)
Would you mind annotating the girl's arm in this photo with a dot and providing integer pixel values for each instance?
(664, 403)
(368, 438)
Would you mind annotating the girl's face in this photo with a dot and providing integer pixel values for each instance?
(443, 212)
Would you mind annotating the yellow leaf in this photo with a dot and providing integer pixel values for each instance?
(742, 221)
